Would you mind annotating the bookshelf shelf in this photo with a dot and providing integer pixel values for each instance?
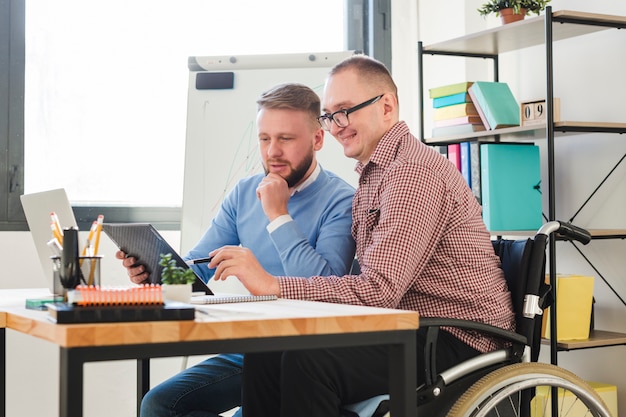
(533, 132)
(542, 31)
(596, 234)
(526, 33)
(597, 338)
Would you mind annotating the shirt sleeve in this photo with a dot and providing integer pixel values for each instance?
(399, 229)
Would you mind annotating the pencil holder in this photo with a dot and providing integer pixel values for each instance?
(89, 273)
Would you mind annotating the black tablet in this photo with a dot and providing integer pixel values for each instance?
(143, 242)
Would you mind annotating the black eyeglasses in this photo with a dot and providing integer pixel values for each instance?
(340, 117)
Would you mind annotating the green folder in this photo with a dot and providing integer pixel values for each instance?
(510, 185)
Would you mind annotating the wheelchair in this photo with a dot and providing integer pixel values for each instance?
(508, 381)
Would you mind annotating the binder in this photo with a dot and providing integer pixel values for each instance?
(574, 300)
(510, 182)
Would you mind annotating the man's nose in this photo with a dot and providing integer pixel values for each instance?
(274, 148)
(334, 129)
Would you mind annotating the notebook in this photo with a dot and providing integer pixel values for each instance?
(37, 208)
(144, 242)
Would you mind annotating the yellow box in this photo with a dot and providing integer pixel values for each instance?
(574, 299)
(541, 405)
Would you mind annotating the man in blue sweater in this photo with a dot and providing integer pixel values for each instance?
(293, 220)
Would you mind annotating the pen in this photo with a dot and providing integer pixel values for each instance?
(55, 247)
(199, 261)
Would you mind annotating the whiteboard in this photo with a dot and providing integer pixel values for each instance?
(221, 144)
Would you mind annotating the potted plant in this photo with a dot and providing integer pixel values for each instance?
(512, 10)
(176, 281)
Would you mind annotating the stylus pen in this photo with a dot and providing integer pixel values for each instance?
(199, 261)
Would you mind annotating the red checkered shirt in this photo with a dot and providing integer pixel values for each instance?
(421, 243)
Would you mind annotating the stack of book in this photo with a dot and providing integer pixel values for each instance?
(495, 104)
(454, 112)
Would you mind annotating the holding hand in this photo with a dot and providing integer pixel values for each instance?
(274, 194)
(136, 272)
(241, 263)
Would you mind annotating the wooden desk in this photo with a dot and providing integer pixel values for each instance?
(241, 327)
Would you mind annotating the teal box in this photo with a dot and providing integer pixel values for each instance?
(510, 186)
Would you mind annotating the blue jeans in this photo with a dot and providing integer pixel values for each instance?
(204, 390)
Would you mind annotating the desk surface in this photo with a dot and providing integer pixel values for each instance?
(218, 322)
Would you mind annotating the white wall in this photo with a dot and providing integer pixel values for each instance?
(590, 83)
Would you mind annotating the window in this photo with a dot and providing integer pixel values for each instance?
(106, 85)
(93, 93)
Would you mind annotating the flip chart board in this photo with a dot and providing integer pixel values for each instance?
(221, 143)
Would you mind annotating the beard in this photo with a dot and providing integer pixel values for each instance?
(297, 172)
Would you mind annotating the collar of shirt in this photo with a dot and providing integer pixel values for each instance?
(386, 148)
(310, 180)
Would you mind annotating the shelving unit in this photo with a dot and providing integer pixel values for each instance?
(489, 44)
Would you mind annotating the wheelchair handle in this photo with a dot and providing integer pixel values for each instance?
(567, 230)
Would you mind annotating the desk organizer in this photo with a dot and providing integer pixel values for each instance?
(106, 305)
(63, 313)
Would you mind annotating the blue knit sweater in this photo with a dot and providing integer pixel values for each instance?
(317, 242)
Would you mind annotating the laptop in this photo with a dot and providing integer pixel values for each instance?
(143, 242)
(37, 208)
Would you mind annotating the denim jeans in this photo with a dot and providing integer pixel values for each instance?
(204, 390)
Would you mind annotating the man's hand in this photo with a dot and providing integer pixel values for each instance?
(241, 263)
(274, 195)
(138, 273)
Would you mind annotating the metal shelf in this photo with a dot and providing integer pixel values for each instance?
(539, 31)
(533, 132)
(526, 33)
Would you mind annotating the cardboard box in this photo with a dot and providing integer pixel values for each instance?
(574, 299)
(541, 404)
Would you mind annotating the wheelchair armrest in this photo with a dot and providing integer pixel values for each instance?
(434, 323)
(509, 336)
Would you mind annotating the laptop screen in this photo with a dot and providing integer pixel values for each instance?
(37, 208)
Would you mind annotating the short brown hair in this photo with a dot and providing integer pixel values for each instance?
(291, 96)
(370, 70)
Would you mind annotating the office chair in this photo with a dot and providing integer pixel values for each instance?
(503, 382)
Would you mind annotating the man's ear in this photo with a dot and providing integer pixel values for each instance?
(390, 105)
(319, 139)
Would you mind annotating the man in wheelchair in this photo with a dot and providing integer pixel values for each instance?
(421, 245)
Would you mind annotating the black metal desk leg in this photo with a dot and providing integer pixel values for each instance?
(71, 383)
(403, 376)
(3, 373)
(143, 380)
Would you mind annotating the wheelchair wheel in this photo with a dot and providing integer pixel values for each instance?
(525, 390)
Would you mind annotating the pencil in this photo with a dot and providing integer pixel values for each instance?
(95, 248)
(56, 234)
(54, 219)
(98, 232)
(92, 230)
